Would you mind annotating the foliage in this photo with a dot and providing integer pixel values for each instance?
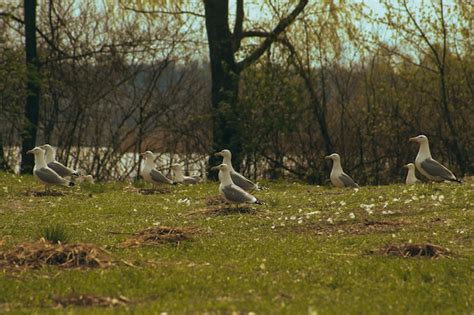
(118, 80)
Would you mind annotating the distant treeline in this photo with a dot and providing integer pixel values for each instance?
(325, 86)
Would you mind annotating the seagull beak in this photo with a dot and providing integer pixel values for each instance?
(327, 157)
(405, 166)
(412, 139)
(215, 168)
(218, 154)
(29, 152)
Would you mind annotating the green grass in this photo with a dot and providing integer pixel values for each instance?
(287, 258)
(57, 233)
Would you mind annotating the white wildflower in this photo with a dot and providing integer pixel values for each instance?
(352, 215)
(330, 220)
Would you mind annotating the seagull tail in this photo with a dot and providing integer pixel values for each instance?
(456, 180)
(259, 202)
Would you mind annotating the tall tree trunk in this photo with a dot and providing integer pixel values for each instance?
(32, 87)
(225, 83)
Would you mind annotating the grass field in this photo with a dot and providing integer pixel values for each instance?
(308, 250)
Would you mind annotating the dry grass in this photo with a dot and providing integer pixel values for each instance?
(43, 253)
(414, 250)
(90, 300)
(159, 235)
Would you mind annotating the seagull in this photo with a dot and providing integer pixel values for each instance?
(55, 165)
(44, 173)
(230, 191)
(429, 167)
(86, 179)
(237, 178)
(411, 177)
(338, 177)
(149, 172)
(180, 178)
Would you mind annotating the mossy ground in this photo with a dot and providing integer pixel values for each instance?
(305, 251)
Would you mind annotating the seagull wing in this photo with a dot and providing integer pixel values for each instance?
(242, 182)
(50, 177)
(435, 169)
(158, 177)
(61, 169)
(347, 180)
(236, 194)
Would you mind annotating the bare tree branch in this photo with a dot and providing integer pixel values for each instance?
(281, 26)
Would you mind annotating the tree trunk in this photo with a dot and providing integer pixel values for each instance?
(32, 87)
(225, 84)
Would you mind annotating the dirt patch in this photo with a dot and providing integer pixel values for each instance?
(153, 191)
(216, 200)
(159, 235)
(43, 253)
(90, 300)
(223, 210)
(44, 193)
(349, 227)
(413, 250)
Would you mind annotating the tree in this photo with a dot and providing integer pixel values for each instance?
(32, 86)
(226, 70)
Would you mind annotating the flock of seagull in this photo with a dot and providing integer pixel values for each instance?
(234, 187)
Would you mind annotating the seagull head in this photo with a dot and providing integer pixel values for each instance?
(224, 153)
(148, 155)
(222, 167)
(36, 150)
(419, 139)
(410, 166)
(47, 147)
(334, 157)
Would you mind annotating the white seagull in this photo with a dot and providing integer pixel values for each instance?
(338, 177)
(411, 177)
(237, 178)
(179, 176)
(429, 167)
(230, 191)
(150, 173)
(59, 168)
(45, 174)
